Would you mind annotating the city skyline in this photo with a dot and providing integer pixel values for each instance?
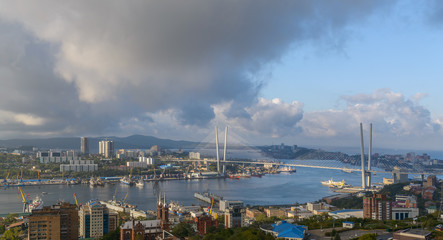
(298, 72)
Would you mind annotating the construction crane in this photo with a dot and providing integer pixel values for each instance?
(75, 198)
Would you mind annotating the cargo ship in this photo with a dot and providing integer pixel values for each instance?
(37, 203)
(239, 175)
(207, 197)
(332, 184)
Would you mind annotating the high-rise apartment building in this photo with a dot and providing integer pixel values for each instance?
(96, 220)
(58, 221)
(106, 148)
(84, 145)
(377, 207)
(235, 217)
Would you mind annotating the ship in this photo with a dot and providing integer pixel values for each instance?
(347, 170)
(37, 203)
(287, 169)
(94, 182)
(332, 184)
(207, 197)
(239, 175)
(127, 181)
(140, 183)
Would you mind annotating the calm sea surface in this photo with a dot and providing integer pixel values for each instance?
(302, 186)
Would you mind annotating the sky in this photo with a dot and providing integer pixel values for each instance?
(298, 72)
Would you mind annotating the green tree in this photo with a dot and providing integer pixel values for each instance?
(112, 235)
(183, 230)
(337, 237)
(12, 234)
(11, 218)
(369, 236)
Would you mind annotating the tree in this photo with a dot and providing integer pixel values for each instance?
(112, 235)
(12, 234)
(183, 230)
(11, 218)
(369, 236)
(337, 237)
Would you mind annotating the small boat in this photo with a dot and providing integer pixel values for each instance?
(140, 183)
(127, 181)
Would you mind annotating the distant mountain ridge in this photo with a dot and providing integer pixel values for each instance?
(130, 142)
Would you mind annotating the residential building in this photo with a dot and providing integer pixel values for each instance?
(58, 221)
(194, 155)
(253, 213)
(146, 160)
(225, 204)
(204, 222)
(275, 212)
(106, 148)
(431, 181)
(96, 220)
(136, 165)
(234, 217)
(79, 166)
(377, 207)
(399, 175)
(84, 145)
(56, 156)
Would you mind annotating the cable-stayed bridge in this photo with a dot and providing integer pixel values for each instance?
(366, 168)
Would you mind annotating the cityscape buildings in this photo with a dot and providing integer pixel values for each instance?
(377, 207)
(106, 148)
(235, 217)
(96, 220)
(84, 146)
(58, 221)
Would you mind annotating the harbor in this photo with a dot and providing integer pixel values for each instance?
(270, 189)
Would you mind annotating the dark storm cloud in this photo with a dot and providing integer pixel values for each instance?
(89, 65)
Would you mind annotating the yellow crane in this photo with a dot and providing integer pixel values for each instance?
(115, 194)
(25, 201)
(124, 199)
(75, 198)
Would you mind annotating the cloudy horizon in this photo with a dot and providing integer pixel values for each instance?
(298, 72)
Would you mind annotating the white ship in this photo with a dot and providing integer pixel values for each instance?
(37, 203)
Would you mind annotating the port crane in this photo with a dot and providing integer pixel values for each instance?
(124, 199)
(6, 178)
(25, 200)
